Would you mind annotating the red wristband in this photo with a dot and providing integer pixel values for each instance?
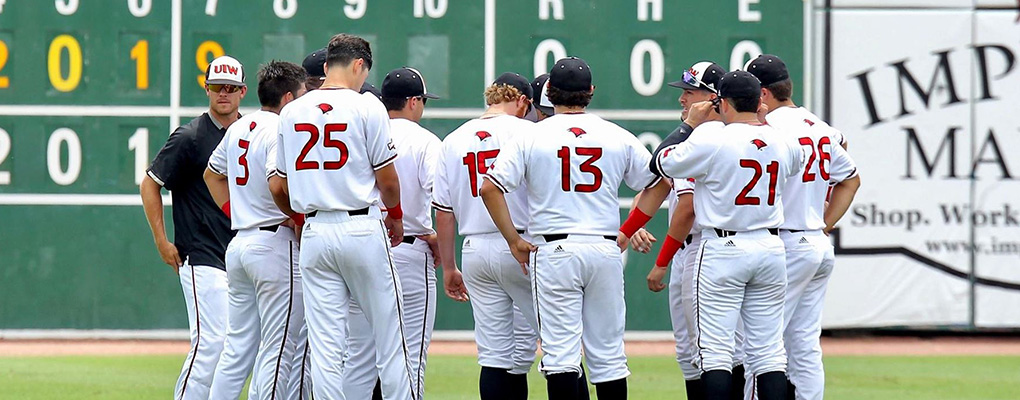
(635, 221)
(668, 250)
(395, 212)
(226, 208)
(298, 218)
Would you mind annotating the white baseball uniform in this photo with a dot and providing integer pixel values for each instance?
(266, 312)
(809, 253)
(573, 165)
(331, 142)
(416, 268)
(740, 171)
(499, 290)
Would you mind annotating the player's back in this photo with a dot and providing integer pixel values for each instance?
(331, 143)
(739, 172)
(827, 162)
(468, 153)
(243, 154)
(418, 149)
(575, 165)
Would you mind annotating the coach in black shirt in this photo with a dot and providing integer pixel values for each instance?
(201, 229)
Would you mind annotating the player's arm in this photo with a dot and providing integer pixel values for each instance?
(218, 188)
(152, 203)
(389, 190)
(495, 203)
(844, 171)
(381, 154)
(648, 203)
(453, 282)
(174, 156)
(679, 227)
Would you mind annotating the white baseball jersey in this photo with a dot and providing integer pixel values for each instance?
(419, 152)
(827, 163)
(467, 155)
(573, 165)
(331, 142)
(740, 171)
(784, 117)
(241, 156)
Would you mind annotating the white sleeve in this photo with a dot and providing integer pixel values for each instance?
(429, 161)
(841, 166)
(381, 151)
(441, 186)
(218, 158)
(683, 186)
(507, 173)
(271, 160)
(693, 157)
(637, 175)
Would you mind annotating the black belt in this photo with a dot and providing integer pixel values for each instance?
(724, 233)
(690, 238)
(561, 236)
(363, 211)
(520, 231)
(408, 239)
(270, 228)
(794, 230)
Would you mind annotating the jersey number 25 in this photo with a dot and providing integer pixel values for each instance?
(327, 141)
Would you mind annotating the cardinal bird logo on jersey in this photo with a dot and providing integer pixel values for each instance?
(325, 108)
(577, 131)
(809, 122)
(252, 126)
(482, 135)
(666, 152)
(759, 143)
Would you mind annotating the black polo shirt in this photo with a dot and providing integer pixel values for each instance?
(201, 229)
(679, 135)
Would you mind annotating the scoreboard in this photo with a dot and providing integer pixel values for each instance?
(89, 91)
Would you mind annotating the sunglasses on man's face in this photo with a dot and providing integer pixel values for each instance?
(216, 88)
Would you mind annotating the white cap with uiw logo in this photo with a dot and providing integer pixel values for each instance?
(225, 70)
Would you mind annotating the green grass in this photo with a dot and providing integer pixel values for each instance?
(450, 377)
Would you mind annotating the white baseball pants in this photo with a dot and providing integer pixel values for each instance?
(416, 269)
(266, 317)
(740, 278)
(682, 262)
(205, 295)
(809, 263)
(501, 303)
(578, 291)
(347, 257)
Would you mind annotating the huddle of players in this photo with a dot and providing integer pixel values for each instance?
(542, 238)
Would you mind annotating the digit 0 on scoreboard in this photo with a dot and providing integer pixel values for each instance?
(64, 63)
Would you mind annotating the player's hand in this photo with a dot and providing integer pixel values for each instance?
(655, 277)
(168, 252)
(453, 285)
(763, 110)
(700, 113)
(395, 230)
(433, 247)
(642, 241)
(622, 241)
(522, 252)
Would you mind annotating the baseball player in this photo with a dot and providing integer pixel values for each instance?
(499, 291)
(541, 108)
(572, 166)
(201, 229)
(335, 160)
(404, 94)
(807, 220)
(740, 167)
(314, 65)
(679, 249)
(266, 313)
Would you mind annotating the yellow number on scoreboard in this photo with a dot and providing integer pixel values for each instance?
(140, 53)
(74, 64)
(207, 51)
(5, 82)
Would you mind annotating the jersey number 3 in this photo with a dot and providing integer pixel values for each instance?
(243, 161)
(327, 141)
(587, 166)
(773, 169)
(476, 165)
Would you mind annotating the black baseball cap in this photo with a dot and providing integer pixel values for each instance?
(404, 83)
(515, 80)
(701, 76)
(540, 95)
(768, 69)
(739, 84)
(571, 74)
(370, 88)
(314, 62)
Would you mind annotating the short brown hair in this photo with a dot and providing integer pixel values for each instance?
(344, 48)
(501, 93)
(781, 90)
(560, 97)
(278, 78)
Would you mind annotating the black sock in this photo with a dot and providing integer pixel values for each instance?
(562, 386)
(377, 391)
(717, 384)
(772, 386)
(582, 386)
(517, 386)
(612, 390)
(737, 383)
(492, 384)
(791, 390)
(695, 390)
